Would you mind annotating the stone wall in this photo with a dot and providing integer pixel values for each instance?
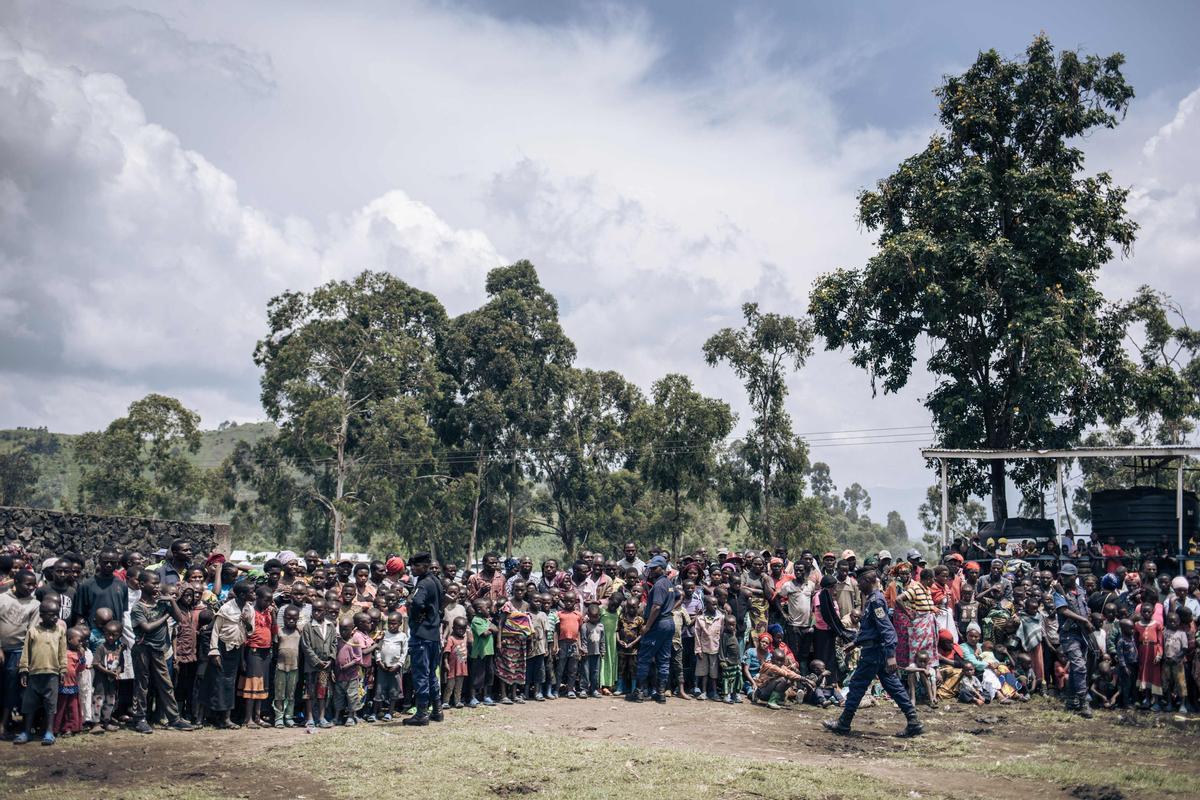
(43, 533)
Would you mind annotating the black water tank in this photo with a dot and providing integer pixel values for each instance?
(1143, 516)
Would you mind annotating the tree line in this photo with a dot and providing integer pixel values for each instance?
(401, 426)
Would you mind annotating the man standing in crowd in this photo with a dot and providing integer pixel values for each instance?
(103, 590)
(18, 612)
(631, 560)
(1074, 626)
(658, 631)
(175, 568)
(425, 621)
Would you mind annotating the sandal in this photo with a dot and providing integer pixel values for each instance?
(229, 726)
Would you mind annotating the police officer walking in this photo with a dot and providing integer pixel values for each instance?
(425, 648)
(1074, 625)
(657, 633)
(876, 645)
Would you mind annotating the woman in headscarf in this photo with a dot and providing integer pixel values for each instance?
(913, 617)
(516, 626)
(828, 627)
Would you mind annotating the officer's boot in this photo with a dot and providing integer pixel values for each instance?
(436, 714)
(913, 728)
(634, 696)
(420, 718)
(840, 726)
(1084, 708)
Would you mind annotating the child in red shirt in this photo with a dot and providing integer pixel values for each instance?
(569, 620)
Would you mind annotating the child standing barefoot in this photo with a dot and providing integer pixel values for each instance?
(1150, 651)
(347, 675)
(109, 663)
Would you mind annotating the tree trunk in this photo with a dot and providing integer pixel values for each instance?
(766, 523)
(475, 511)
(676, 533)
(999, 491)
(512, 489)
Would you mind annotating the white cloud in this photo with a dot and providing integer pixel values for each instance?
(438, 143)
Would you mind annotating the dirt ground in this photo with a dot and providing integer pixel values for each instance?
(1016, 751)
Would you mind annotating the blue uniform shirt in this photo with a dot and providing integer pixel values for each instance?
(875, 628)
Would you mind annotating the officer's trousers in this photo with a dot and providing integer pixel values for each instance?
(873, 664)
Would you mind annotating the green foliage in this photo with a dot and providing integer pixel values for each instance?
(18, 478)
(769, 465)
(964, 517)
(989, 244)
(139, 464)
(677, 435)
(348, 371)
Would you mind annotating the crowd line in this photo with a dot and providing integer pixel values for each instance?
(197, 640)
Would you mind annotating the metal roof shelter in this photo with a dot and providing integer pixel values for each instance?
(1180, 452)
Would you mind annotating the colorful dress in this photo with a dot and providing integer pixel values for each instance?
(1150, 647)
(915, 623)
(608, 662)
(514, 644)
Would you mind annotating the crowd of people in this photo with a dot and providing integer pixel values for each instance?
(299, 641)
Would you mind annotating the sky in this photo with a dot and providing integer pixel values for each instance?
(168, 167)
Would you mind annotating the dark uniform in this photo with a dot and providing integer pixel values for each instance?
(425, 622)
(876, 644)
(1073, 641)
(654, 651)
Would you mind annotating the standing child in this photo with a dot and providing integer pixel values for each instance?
(455, 663)
(347, 676)
(393, 650)
(549, 603)
(185, 649)
(150, 615)
(1125, 657)
(535, 671)
(569, 622)
(481, 664)
(68, 719)
(610, 615)
(515, 630)
(708, 647)
(110, 660)
(730, 660)
(1150, 652)
(629, 633)
(592, 642)
(318, 643)
(87, 686)
(287, 667)
(1174, 674)
(256, 657)
(43, 664)
(683, 621)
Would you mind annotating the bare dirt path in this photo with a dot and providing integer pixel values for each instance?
(958, 736)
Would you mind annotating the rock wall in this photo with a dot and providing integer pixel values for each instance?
(44, 533)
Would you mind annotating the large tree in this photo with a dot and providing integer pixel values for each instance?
(139, 464)
(585, 459)
(348, 376)
(989, 244)
(762, 353)
(18, 478)
(510, 361)
(677, 435)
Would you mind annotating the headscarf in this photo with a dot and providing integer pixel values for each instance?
(1179, 582)
(1110, 582)
(394, 565)
(971, 565)
(286, 557)
(775, 629)
(902, 568)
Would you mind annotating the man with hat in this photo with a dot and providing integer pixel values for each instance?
(954, 562)
(828, 563)
(1074, 625)
(657, 634)
(425, 624)
(884, 561)
(876, 643)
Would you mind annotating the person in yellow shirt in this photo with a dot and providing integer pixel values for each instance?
(43, 665)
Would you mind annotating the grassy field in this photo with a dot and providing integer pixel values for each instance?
(600, 749)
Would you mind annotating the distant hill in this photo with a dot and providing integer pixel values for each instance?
(54, 454)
